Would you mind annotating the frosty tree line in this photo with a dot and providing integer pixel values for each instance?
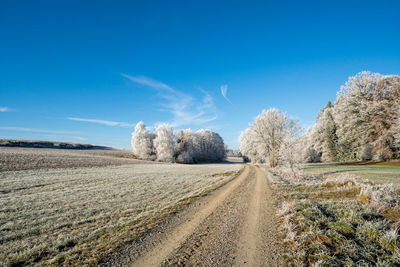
(362, 124)
(183, 146)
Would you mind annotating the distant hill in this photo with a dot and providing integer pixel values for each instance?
(49, 144)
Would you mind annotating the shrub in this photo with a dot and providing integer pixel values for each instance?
(380, 196)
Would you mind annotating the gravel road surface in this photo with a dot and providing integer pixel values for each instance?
(233, 226)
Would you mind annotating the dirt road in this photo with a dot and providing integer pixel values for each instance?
(234, 226)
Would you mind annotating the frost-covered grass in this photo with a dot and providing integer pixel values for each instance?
(77, 216)
(17, 158)
(339, 233)
(388, 172)
(336, 221)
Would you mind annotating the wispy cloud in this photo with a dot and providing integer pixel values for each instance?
(5, 109)
(186, 110)
(224, 90)
(148, 82)
(34, 130)
(104, 122)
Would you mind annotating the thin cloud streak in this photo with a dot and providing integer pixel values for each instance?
(224, 90)
(5, 109)
(148, 82)
(185, 109)
(103, 122)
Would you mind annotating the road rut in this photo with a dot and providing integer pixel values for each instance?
(236, 226)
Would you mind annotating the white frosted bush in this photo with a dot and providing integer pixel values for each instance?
(311, 155)
(142, 142)
(341, 181)
(203, 145)
(185, 157)
(182, 147)
(295, 176)
(366, 152)
(380, 196)
(164, 143)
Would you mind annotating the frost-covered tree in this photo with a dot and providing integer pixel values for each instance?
(311, 155)
(185, 148)
(291, 151)
(350, 113)
(382, 117)
(311, 141)
(264, 140)
(210, 146)
(396, 129)
(330, 139)
(250, 149)
(142, 142)
(203, 145)
(322, 136)
(164, 143)
(365, 112)
(362, 123)
(270, 129)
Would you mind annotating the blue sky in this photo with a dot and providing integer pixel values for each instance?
(86, 71)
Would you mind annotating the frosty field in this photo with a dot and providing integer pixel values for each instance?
(339, 214)
(78, 215)
(17, 158)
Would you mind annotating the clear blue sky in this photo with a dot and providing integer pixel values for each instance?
(86, 71)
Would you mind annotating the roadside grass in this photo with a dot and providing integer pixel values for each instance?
(339, 221)
(376, 172)
(80, 216)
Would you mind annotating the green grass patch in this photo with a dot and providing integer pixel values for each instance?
(377, 173)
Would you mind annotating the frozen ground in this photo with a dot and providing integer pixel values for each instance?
(15, 158)
(76, 215)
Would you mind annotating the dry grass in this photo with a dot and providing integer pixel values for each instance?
(76, 216)
(339, 233)
(337, 221)
(382, 197)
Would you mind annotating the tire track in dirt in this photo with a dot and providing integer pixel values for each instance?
(258, 245)
(161, 251)
(235, 228)
(213, 243)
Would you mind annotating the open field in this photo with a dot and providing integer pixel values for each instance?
(81, 214)
(383, 172)
(77, 207)
(15, 158)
